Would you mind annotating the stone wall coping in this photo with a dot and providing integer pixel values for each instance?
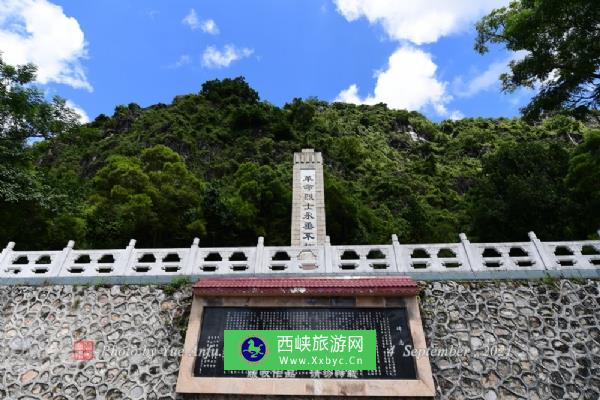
(336, 286)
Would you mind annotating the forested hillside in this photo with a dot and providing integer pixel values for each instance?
(217, 164)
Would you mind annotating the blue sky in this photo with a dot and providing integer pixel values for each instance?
(417, 55)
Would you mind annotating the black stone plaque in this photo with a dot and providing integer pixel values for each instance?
(391, 324)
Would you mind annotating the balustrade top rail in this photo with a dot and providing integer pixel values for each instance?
(438, 261)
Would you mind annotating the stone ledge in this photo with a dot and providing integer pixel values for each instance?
(317, 286)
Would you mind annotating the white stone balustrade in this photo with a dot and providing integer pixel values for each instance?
(437, 261)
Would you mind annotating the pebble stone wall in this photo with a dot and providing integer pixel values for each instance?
(502, 340)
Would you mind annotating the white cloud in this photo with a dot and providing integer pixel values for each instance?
(207, 26)
(39, 32)
(184, 59)
(210, 26)
(408, 82)
(191, 20)
(83, 117)
(349, 95)
(418, 21)
(456, 115)
(215, 58)
(485, 80)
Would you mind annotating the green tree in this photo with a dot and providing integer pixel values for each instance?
(25, 115)
(301, 113)
(154, 199)
(521, 189)
(229, 91)
(351, 221)
(584, 181)
(254, 201)
(561, 41)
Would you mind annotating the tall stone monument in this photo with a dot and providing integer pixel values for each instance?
(308, 204)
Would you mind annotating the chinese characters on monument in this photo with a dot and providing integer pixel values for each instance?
(308, 215)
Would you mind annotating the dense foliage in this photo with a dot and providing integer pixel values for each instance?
(560, 46)
(217, 164)
(25, 196)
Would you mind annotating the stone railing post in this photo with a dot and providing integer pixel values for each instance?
(125, 259)
(191, 257)
(466, 244)
(400, 265)
(328, 255)
(61, 260)
(5, 256)
(547, 261)
(258, 256)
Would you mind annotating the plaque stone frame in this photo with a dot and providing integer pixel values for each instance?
(379, 292)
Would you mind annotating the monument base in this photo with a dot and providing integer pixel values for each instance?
(387, 305)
